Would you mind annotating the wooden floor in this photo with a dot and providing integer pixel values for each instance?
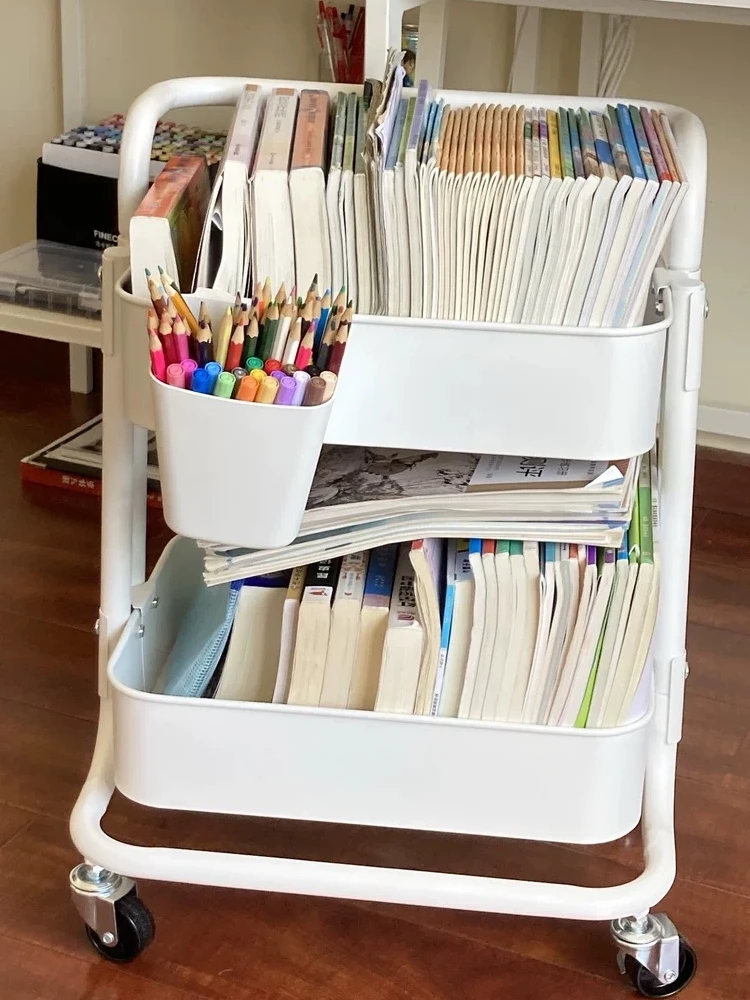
(214, 943)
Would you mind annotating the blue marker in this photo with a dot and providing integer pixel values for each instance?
(213, 369)
(201, 381)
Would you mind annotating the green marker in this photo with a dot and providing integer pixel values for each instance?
(225, 385)
(252, 363)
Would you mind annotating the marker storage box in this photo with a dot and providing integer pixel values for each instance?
(533, 782)
(561, 392)
(232, 471)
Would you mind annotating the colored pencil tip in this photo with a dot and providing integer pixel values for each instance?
(148, 273)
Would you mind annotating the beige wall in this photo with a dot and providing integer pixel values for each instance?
(703, 67)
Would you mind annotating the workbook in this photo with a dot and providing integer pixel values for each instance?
(307, 191)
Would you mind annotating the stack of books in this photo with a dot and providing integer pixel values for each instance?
(496, 630)
(506, 214)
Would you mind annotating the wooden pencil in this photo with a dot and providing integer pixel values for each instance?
(292, 343)
(251, 340)
(204, 344)
(337, 351)
(179, 303)
(268, 332)
(236, 343)
(221, 344)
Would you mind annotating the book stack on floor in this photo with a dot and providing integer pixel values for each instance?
(493, 630)
(506, 214)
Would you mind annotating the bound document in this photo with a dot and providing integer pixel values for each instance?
(307, 190)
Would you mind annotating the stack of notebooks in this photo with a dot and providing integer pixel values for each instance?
(493, 213)
(365, 497)
(500, 631)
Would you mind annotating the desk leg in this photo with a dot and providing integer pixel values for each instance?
(81, 369)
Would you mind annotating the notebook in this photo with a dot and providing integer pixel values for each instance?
(333, 186)
(272, 229)
(201, 641)
(251, 666)
(428, 560)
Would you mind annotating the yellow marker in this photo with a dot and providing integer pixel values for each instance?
(267, 390)
(221, 340)
(258, 375)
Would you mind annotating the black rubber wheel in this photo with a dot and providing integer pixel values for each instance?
(135, 931)
(649, 986)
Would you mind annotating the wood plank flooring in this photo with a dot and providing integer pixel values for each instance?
(215, 943)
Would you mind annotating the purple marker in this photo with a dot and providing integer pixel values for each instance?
(278, 375)
(287, 387)
(188, 366)
(300, 379)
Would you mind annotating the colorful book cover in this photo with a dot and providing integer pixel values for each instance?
(180, 195)
(620, 157)
(630, 142)
(643, 147)
(575, 144)
(452, 561)
(555, 161)
(311, 131)
(588, 150)
(536, 148)
(350, 133)
(660, 162)
(601, 144)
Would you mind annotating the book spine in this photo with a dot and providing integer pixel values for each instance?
(630, 143)
(320, 580)
(544, 144)
(555, 162)
(602, 147)
(241, 138)
(351, 583)
(575, 144)
(418, 121)
(660, 162)
(274, 148)
(339, 127)
(645, 523)
(528, 142)
(643, 147)
(296, 584)
(164, 195)
(350, 132)
(380, 574)
(310, 132)
(403, 611)
(588, 150)
(620, 157)
(566, 149)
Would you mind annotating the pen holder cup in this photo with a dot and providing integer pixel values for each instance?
(234, 472)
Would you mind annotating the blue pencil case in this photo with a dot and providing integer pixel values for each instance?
(201, 641)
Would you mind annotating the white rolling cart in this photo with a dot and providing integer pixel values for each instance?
(576, 786)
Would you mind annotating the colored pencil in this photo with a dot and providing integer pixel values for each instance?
(156, 294)
(237, 308)
(292, 343)
(234, 352)
(251, 341)
(266, 294)
(337, 351)
(179, 303)
(305, 350)
(324, 351)
(282, 331)
(167, 340)
(281, 295)
(340, 300)
(181, 345)
(158, 361)
(221, 342)
(268, 332)
(205, 345)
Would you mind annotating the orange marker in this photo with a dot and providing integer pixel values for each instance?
(268, 389)
(247, 389)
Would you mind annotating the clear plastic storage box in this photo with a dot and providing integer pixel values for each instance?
(54, 277)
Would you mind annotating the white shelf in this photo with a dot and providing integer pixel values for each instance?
(51, 325)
